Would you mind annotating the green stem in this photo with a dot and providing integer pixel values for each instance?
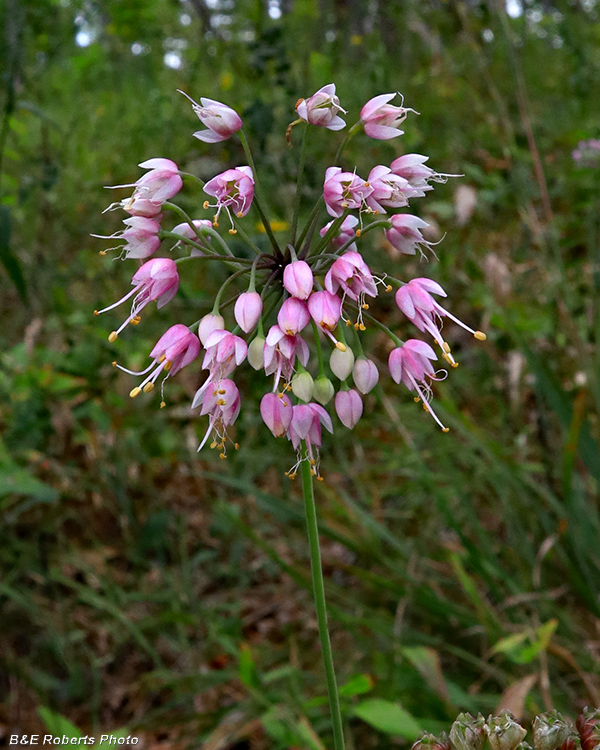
(193, 177)
(299, 182)
(318, 348)
(227, 281)
(384, 328)
(258, 193)
(331, 233)
(320, 604)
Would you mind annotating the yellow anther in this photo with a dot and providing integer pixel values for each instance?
(356, 326)
(312, 472)
(454, 364)
(135, 392)
(320, 479)
(365, 306)
(96, 312)
(148, 387)
(280, 395)
(113, 337)
(168, 365)
(340, 346)
(348, 322)
(213, 445)
(367, 184)
(102, 252)
(345, 204)
(358, 232)
(236, 446)
(416, 399)
(375, 212)
(446, 347)
(114, 364)
(287, 473)
(313, 462)
(162, 404)
(215, 223)
(240, 215)
(205, 205)
(292, 476)
(222, 444)
(135, 321)
(222, 455)
(480, 335)
(445, 429)
(221, 391)
(362, 327)
(221, 402)
(162, 358)
(233, 231)
(388, 288)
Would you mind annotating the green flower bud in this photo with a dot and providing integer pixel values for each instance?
(504, 732)
(303, 386)
(427, 741)
(256, 356)
(550, 730)
(341, 363)
(468, 733)
(323, 390)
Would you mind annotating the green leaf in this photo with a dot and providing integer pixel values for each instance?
(357, 685)
(7, 258)
(57, 724)
(388, 717)
(427, 662)
(524, 647)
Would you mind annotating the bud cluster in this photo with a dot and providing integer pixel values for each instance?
(309, 295)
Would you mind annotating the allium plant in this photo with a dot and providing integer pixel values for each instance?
(311, 293)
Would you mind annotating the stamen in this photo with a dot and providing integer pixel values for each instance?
(480, 335)
(340, 346)
(148, 387)
(113, 337)
(135, 392)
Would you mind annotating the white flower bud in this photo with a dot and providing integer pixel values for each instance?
(208, 324)
(256, 356)
(303, 386)
(341, 363)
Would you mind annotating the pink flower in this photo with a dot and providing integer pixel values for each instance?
(141, 237)
(152, 189)
(365, 375)
(222, 403)
(233, 188)
(224, 352)
(388, 190)
(298, 279)
(326, 309)
(416, 302)
(411, 364)
(293, 316)
(306, 425)
(382, 120)
(352, 274)
(344, 190)
(155, 280)
(322, 109)
(276, 411)
(248, 309)
(280, 352)
(405, 234)
(347, 232)
(412, 168)
(349, 407)
(138, 206)
(185, 230)
(175, 349)
(222, 121)
(208, 324)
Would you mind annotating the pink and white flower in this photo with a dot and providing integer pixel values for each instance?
(298, 279)
(175, 349)
(140, 235)
(344, 190)
(346, 232)
(224, 352)
(156, 186)
(388, 190)
(276, 411)
(412, 167)
(352, 275)
(197, 235)
(293, 316)
(247, 311)
(349, 407)
(221, 121)
(405, 234)
(208, 324)
(155, 280)
(280, 352)
(365, 375)
(381, 119)
(417, 303)
(306, 425)
(233, 189)
(322, 109)
(222, 403)
(326, 310)
(411, 364)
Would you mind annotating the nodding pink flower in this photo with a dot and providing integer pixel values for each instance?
(140, 235)
(298, 279)
(222, 403)
(344, 190)
(351, 273)
(280, 352)
(276, 411)
(416, 302)
(326, 309)
(412, 168)
(233, 188)
(349, 407)
(411, 364)
(185, 230)
(405, 234)
(293, 316)
(155, 280)
(248, 309)
(222, 121)
(388, 189)
(156, 186)
(138, 206)
(347, 232)
(322, 109)
(224, 352)
(208, 324)
(365, 375)
(175, 349)
(381, 119)
(306, 425)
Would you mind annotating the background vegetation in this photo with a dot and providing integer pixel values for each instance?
(149, 588)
